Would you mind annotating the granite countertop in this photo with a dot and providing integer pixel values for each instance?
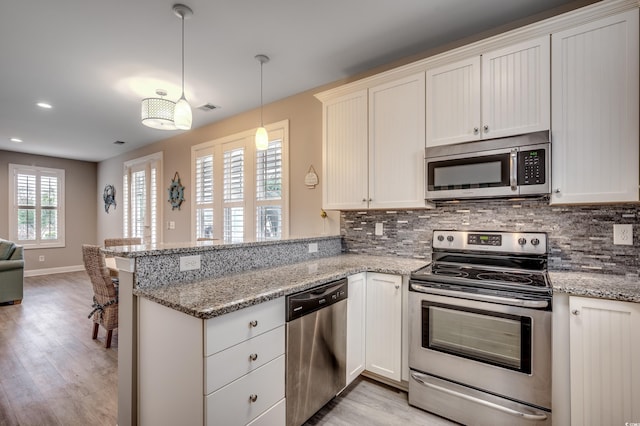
(143, 250)
(212, 297)
(603, 286)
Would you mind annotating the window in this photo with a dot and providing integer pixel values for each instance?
(36, 215)
(141, 217)
(241, 193)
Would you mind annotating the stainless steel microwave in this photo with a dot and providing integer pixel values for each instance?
(517, 166)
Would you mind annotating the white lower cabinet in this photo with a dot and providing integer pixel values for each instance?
(605, 366)
(356, 310)
(246, 398)
(228, 370)
(383, 336)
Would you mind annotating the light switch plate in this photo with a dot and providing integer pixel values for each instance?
(189, 263)
(623, 235)
(313, 247)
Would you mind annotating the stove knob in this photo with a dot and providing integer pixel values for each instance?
(535, 241)
(522, 241)
(450, 238)
(440, 237)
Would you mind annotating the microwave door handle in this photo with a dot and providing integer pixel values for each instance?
(513, 165)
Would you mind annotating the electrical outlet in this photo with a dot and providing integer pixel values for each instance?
(171, 225)
(623, 235)
(40, 258)
(313, 247)
(379, 228)
(189, 263)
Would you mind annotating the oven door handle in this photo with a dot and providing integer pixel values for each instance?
(539, 416)
(535, 304)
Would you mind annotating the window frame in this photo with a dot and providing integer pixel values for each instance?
(38, 243)
(216, 148)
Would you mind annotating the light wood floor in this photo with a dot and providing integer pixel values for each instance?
(52, 373)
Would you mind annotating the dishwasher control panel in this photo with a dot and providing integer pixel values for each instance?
(311, 300)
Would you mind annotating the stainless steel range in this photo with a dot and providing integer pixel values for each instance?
(480, 329)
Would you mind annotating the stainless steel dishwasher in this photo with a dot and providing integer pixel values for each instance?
(316, 349)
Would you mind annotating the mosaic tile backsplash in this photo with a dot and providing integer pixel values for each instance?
(580, 237)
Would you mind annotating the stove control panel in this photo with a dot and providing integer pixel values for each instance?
(505, 242)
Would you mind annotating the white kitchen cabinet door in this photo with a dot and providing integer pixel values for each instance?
(516, 89)
(384, 325)
(453, 103)
(595, 141)
(356, 310)
(396, 143)
(345, 152)
(605, 366)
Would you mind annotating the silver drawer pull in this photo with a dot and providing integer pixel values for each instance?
(253, 398)
(253, 357)
(253, 323)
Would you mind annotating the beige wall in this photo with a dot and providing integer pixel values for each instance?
(80, 208)
(304, 113)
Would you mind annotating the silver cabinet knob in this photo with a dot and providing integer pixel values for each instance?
(486, 128)
(575, 312)
(475, 130)
(370, 199)
(253, 323)
(397, 286)
(556, 191)
(364, 200)
(253, 357)
(253, 397)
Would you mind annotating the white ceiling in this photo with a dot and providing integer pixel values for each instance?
(94, 60)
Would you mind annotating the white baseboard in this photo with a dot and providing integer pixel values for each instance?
(49, 271)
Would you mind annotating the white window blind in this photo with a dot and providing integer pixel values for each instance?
(204, 196)
(36, 217)
(241, 194)
(141, 198)
(234, 175)
(269, 192)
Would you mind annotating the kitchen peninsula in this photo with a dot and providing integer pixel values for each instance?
(185, 288)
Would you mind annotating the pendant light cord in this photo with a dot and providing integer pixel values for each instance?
(261, 102)
(182, 18)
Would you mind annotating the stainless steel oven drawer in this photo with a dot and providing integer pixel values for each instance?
(470, 406)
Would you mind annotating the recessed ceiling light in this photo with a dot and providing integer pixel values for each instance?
(16, 140)
(119, 142)
(44, 105)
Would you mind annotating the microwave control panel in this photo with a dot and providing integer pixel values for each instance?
(531, 167)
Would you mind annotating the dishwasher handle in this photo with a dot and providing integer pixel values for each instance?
(311, 300)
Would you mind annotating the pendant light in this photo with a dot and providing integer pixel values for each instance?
(157, 113)
(182, 117)
(262, 138)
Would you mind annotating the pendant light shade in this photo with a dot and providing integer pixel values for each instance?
(182, 113)
(262, 138)
(158, 113)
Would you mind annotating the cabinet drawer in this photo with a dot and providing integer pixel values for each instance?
(274, 416)
(232, 404)
(230, 329)
(225, 366)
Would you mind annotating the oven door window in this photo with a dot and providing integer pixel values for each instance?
(493, 338)
(466, 173)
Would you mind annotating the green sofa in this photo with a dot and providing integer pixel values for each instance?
(11, 272)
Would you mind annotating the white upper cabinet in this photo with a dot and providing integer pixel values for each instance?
(345, 152)
(396, 143)
(500, 93)
(453, 103)
(595, 111)
(373, 146)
